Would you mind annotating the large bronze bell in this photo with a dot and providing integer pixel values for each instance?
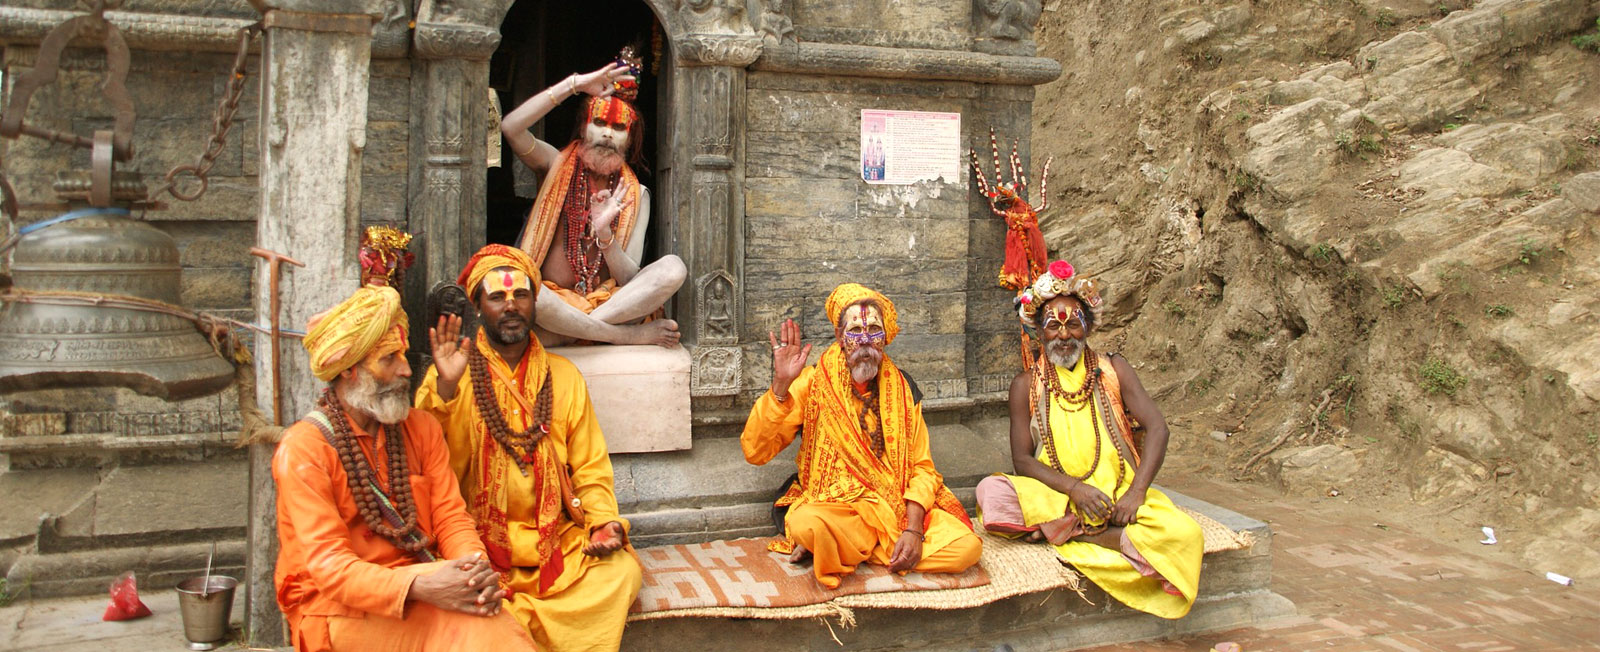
(57, 336)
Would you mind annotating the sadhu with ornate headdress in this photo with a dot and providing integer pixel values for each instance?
(867, 491)
(532, 464)
(586, 232)
(1083, 469)
(377, 551)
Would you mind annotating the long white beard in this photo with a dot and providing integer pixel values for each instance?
(389, 404)
(864, 371)
(1064, 353)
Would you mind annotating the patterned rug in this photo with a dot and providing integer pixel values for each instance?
(742, 579)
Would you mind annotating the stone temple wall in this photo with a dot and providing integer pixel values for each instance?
(136, 482)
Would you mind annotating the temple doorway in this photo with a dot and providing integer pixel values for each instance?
(542, 42)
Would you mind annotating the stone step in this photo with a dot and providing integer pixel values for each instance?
(1235, 591)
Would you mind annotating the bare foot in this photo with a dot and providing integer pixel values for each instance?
(799, 555)
(661, 332)
(1035, 536)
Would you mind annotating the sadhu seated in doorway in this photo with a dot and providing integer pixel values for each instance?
(1082, 477)
(377, 550)
(867, 491)
(586, 231)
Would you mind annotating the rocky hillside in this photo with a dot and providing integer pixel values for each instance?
(1350, 245)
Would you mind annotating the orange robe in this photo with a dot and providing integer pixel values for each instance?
(585, 606)
(343, 587)
(848, 506)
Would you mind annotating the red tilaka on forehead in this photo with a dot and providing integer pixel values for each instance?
(613, 110)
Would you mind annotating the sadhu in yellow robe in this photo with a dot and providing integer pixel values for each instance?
(1157, 569)
(568, 600)
(848, 506)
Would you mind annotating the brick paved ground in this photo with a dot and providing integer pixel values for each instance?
(1360, 587)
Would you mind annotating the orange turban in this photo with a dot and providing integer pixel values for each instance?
(850, 294)
(370, 322)
(490, 257)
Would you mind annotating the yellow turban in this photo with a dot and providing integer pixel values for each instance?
(850, 294)
(490, 257)
(369, 322)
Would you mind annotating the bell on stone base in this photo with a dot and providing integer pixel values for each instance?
(45, 345)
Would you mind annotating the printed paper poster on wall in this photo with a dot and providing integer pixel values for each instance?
(901, 147)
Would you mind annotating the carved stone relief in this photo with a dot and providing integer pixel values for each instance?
(713, 16)
(1009, 20)
(711, 124)
(717, 309)
(716, 371)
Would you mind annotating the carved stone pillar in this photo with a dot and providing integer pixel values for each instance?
(449, 104)
(315, 70)
(710, 200)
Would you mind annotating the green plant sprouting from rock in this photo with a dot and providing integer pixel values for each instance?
(1438, 377)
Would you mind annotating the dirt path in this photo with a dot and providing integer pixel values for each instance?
(1397, 587)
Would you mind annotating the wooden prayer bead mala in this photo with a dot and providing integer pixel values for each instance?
(519, 444)
(360, 478)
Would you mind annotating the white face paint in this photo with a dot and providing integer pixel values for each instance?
(610, 136)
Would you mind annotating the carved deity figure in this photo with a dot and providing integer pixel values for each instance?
(587, 227)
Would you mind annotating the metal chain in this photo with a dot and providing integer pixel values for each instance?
(221, 123)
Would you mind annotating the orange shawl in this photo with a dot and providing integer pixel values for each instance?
(833, 431)
(545, 218)
(485, 490)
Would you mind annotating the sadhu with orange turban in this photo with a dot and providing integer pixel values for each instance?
(377, 551)
(531, 462)
(867, 490)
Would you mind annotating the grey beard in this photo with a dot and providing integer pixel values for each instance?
(600, 158)
(1064, 353)
(389, 404)
(864, 370)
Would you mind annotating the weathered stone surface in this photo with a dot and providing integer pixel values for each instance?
(1498, 26)
(37, 424)
(1294, 150)
(1413, 80)
(626, 382)
(33, 495)
(1448, 173)
(1522, 152)
(207, 288)
(165, 499)
(1311, 470)
(1583, 191)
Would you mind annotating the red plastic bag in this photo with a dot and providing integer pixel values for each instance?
(125, 604)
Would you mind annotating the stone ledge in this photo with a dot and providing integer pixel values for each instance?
(908, 63)
(1235, 589)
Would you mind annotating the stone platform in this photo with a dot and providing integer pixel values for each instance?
(631, 390)
(1235, 589)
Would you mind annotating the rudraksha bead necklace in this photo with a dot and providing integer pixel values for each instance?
(358, 473)
(519, 444)
(869, 407)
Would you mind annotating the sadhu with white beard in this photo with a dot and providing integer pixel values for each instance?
(377, 550)
(867, 491)
(586, 231)
(1083, 473)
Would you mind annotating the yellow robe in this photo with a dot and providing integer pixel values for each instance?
(1166, 537)
(586, 607)
(840, 519)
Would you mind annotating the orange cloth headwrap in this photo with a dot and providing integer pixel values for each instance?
(850, 294)
(370, 322)
(490, 257)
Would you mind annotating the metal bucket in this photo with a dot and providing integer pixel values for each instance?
(206, 604)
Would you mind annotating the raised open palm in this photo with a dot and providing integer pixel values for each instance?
(449, 349)
(788, 357)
